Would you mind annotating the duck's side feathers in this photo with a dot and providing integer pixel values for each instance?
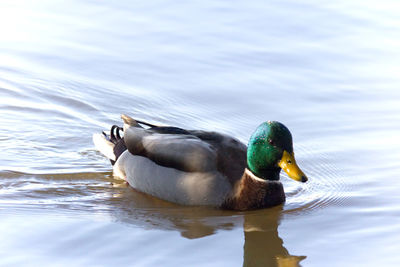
(251, 192)
(186, 188)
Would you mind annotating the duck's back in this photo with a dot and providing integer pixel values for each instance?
(187, 167)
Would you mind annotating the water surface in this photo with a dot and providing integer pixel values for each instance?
(328, 71)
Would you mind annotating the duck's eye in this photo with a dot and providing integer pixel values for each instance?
(270, 141)
(289, 161)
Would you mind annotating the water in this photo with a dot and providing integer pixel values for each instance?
(328, 71)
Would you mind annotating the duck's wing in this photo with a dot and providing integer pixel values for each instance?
(180, 151)
(231, 153)
(189, 151)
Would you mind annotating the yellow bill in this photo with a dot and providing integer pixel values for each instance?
(289, 165)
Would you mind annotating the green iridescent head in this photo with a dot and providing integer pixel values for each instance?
(270, 149)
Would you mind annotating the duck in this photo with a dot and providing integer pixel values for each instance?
(202, 168)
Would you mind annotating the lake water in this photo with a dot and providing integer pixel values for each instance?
(328, 70)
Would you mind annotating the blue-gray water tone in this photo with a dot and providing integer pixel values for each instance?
(328, 70)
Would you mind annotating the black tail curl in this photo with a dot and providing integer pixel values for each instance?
(117, 140)
(115, 135)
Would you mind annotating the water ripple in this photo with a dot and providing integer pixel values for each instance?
(327, 185)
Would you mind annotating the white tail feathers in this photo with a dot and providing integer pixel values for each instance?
(104, 146)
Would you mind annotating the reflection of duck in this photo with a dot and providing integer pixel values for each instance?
(262, 244)
(135, 208)
(203, 168)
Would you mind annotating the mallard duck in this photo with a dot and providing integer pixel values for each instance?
(193, 167)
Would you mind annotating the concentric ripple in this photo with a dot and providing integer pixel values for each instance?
(327, 183)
